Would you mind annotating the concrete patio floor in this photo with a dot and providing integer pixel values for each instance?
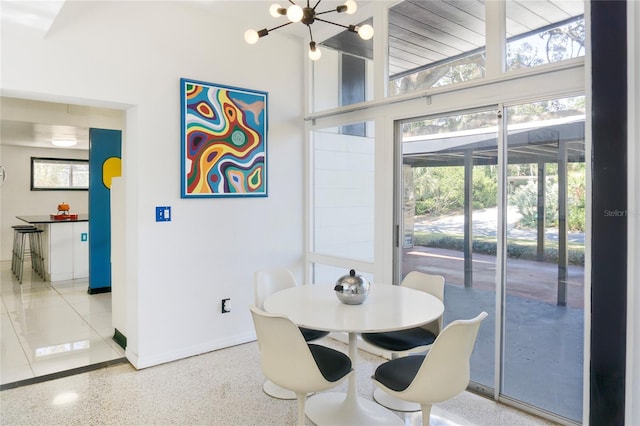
(543, 349)
(525, 278)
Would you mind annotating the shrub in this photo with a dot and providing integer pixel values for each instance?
(526, 251)
(525, 198)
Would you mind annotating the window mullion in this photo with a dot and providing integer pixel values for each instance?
(495, 25)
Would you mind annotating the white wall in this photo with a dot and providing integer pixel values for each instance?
(343, 196)
(131, 55)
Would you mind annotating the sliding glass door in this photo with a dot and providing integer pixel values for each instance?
(450, 217)
(542, 362)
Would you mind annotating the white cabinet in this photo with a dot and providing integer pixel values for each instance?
(66, 250)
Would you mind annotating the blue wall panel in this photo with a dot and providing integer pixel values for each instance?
(104, 163)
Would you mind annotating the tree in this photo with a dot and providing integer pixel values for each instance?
(556, 44)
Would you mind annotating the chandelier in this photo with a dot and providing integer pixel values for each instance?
(308, 15)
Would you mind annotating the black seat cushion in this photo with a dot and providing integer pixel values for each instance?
(333, 364)
(398, 373)
(400, 340)
(310, 335)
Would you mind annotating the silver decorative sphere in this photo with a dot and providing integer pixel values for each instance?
(352, 289)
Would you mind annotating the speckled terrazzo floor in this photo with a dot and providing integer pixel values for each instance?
(218, 388)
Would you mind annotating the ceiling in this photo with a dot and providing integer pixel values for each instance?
(425, 32)
(421, 34)
(37, 123)
(24, 133)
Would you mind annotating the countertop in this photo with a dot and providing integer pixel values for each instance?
(47, 219)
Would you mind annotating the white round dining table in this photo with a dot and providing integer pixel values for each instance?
(387, 308)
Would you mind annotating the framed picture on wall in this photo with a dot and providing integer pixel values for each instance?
(224, 141)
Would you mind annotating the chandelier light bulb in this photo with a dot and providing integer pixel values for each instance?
(294, 13)
(314, 51)
(274, 10)
(351, 7)
(251, 36)
(365, 32)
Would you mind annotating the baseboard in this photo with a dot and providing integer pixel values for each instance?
(140, 362)
(99, 290)
(120, 339)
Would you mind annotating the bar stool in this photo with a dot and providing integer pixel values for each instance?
(18, 240)
(35, 246)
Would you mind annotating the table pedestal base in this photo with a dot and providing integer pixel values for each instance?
(333, 408)
(395, 404)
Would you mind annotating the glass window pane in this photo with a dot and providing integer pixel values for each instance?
(441, 156)
(435, 43)
(80, 175)
(343, 192)
(59, 174)
(542, 32)
(544, 283)
(344, 73)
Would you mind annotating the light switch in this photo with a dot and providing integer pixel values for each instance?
(163, 214)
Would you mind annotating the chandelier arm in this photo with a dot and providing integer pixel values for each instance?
(292, 2)
(280, 26)
(316, 5)
(310, 33)
(326, 11)
(333, 23)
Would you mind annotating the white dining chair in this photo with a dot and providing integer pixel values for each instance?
(414, 340)
(441, 374)
(292, 363)
(266, 283)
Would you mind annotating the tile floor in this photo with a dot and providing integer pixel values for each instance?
(49, 328)
(52, 328)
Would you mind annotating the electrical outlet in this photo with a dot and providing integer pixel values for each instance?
(226, 306)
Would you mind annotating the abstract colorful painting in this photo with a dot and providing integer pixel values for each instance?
(224, 141)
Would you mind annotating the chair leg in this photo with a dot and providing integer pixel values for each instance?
(426, 413)
(279, 392)
(301, 397)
